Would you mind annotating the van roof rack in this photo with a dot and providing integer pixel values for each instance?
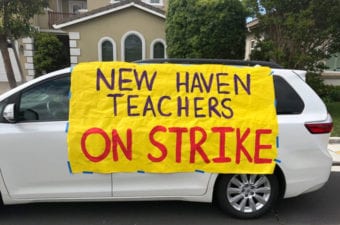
(213, 61)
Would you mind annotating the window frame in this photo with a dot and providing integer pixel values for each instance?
(125, 36)
(114, 49)
(152, 47)
(160, 3)
(19, 97)
(79, 3)
(277, 78)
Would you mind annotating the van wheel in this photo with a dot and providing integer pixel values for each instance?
(246, 196)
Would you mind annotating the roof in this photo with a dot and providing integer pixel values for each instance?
(110, 9)
(252, 24)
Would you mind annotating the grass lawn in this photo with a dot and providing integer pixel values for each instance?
(334, 110)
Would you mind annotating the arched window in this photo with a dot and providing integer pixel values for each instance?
(133, 48)
(158, 50)
(107, 51)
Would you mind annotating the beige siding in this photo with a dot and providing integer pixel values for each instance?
(115, 26)
(165, 2)
(64, 6)
(94, 4)
(41, 20)
(249, 39)
(22, 58)
(52, 4)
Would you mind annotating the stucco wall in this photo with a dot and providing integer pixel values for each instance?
(250, 37)
(64, 6)
(100, 3)
(114, 26)
(41, 20)
(331, 77)
(53, 4)
(96, 4)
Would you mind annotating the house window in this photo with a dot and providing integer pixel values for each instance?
(133, 48)
(154, 2)
(333, 63)
(75, 6)
(158, 49)
(106, 49)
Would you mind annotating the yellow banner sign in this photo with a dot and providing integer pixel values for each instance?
(167, 118)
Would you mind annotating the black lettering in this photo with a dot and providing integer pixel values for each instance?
(130, 106)
(185, 83)
(246, 87)
(115, 96)
(225, 106)
(101, 77)
(149, 107)
(182, 106)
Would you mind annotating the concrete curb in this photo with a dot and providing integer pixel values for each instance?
(334, 140)
(334, 150)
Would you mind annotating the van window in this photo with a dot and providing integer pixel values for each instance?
(47, 101)
(287, 100)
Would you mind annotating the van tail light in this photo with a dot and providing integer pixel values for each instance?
(321, 127)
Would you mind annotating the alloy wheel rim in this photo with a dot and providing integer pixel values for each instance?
(248, 193)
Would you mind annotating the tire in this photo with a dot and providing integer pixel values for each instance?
(246, 196)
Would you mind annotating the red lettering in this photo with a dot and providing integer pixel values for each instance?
(116, 140)
(196, 136)
(258, 147)
(195, 146)
(239, 145)
(222, 130)
(107, 144)
(157, 144)
(179, 131)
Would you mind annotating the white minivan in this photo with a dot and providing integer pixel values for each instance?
(34, 164)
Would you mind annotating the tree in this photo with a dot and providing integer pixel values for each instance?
(206, 29)
(15, 24)
(296, 34)
(49, 54)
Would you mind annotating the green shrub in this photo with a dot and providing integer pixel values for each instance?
(336, 93)
(328, 93)
(50, 53)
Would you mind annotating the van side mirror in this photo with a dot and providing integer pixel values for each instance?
(8, 113)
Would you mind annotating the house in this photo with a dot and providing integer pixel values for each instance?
(102, 30)
(125, 30)
(250, 38)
